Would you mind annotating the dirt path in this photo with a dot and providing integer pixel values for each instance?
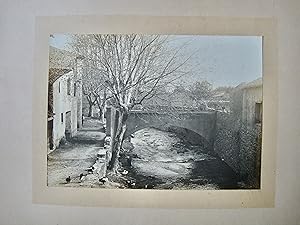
(76, 156)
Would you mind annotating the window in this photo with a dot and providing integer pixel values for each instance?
(58, 87)
(62, 117)
(69, 86)
(258, 112)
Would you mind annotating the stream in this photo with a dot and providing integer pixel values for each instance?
(162, 160)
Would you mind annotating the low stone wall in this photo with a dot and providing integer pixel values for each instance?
(103, 158)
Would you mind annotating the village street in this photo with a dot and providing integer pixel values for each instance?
(75, 156)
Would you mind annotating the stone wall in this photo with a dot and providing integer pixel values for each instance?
(240, 147)
(227, 141)
(250, 154)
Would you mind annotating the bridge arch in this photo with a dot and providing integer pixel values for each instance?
(191, 137)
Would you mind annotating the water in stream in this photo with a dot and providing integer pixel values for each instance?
(162, 160)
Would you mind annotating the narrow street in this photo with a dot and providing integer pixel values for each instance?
(75, 156)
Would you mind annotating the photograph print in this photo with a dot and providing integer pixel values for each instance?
(167, 112)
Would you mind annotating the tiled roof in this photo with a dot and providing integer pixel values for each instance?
(55, 73)
(59, 58)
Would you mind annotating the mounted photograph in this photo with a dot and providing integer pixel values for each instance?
(164, 112)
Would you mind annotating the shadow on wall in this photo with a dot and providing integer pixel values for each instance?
(191, 137)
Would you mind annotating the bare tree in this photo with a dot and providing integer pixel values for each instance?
(200, 92)
(94, 89)
(133, 68)
(101, 96)
(91, 86)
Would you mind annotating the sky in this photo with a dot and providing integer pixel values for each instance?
(222, 60)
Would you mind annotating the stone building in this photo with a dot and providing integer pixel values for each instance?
(239, 133)
(64, 96)
(251, 132)
(252, 103)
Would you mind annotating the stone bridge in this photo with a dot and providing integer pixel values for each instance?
(202, 123)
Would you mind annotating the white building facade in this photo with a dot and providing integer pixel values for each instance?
(64, 101)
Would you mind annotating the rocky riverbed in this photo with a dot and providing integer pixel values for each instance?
(162, 160)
